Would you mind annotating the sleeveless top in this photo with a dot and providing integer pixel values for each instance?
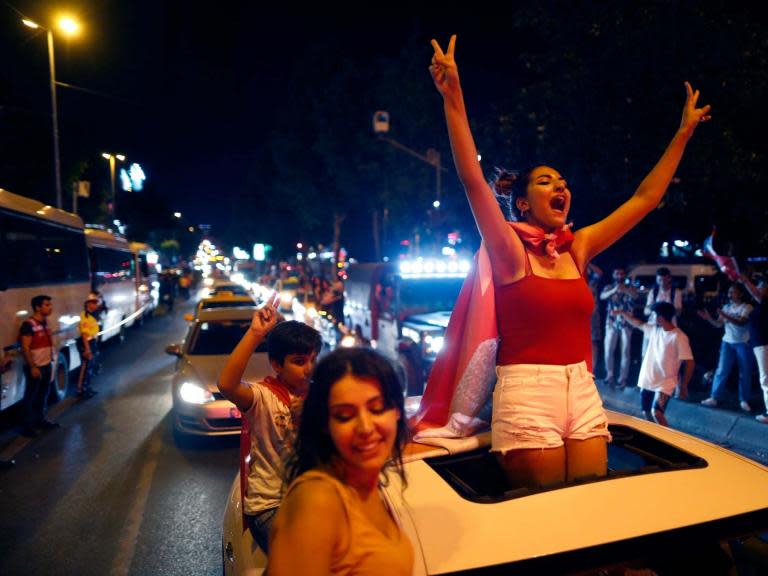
(363, 549)
(544, 320)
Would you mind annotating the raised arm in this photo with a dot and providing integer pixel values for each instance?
(592, 240)
(230, 381)
(635, 322)
(505, 248)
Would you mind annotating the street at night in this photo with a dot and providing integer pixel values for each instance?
(111, 492)
(457, 289)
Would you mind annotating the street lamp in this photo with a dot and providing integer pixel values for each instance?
(69, 27)
(432, 157)
(112, 158)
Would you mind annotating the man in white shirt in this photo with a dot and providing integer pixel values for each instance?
(663, 291)
(668, 348)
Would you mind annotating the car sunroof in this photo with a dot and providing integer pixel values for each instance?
(477, 476)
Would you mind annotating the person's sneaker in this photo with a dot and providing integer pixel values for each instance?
(48, 425)
(709, 402)
(745, 406)
(763, 418)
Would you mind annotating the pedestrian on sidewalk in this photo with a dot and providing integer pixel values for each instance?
(734, 316)
(36, 342)
(87, 346)
(758, 333)
(619, 296)
(668, 349)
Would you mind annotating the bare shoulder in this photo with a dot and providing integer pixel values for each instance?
(316, 494)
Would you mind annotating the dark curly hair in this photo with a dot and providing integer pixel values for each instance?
(314, 446)
(508, 186)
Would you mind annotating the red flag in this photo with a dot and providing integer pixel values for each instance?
(726, 264)
(464, 372)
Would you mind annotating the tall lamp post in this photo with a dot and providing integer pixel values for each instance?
(432, 157)
(112, 158)
(70, 27)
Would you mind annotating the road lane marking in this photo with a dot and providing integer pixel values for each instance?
(121, 565)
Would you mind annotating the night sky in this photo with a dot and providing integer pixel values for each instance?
(246, 117)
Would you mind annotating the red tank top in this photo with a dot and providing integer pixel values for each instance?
(544, 321)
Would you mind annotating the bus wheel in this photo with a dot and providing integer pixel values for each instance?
(61, 379)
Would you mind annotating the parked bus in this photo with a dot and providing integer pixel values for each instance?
(42, 251)
(113, 276)
(147, 283)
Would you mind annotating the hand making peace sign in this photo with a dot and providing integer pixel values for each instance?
(443, 69)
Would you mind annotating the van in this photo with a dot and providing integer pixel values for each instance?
(699, 282)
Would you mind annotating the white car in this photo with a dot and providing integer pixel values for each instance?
(672, 504)
(198, 406)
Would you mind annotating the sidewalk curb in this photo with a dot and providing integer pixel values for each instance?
(724, 427)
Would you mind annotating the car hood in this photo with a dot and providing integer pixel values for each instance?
(455, 534)
(206, 369)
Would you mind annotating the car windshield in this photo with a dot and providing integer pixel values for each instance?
(221, 337)
(420, 295)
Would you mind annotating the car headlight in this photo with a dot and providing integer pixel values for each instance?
(412, 334)
(348, 341)
(194, 394)
(434, 344)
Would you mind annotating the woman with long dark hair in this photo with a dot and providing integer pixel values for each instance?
(333, 518)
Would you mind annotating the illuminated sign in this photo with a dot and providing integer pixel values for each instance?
(132, 180)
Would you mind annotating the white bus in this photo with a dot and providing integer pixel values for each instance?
(42, 251)
(113, 275)
(147, 282)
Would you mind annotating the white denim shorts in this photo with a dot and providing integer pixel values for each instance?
(540, 406)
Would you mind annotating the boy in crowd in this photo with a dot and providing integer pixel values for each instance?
(668, 348)
(270, 407)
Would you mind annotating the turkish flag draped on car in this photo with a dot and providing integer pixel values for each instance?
(464, 372)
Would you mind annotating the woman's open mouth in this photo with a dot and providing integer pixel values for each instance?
(557, 203)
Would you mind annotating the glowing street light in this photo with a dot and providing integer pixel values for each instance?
(177, 214)
(70, 27)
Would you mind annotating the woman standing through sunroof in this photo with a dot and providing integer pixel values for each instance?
(548, 423)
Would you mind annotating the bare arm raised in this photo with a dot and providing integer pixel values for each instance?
(230, 381)
(592, 240)
(504, 247)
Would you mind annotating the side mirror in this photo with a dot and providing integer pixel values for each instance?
(173, 350)
(189, 317)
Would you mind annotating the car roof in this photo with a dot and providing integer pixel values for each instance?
(220, 300)
(456, 534)
(225, 314)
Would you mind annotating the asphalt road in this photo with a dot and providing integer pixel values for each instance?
(111, 492)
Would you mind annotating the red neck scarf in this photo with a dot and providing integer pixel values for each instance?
(543, 243)
(278, 389)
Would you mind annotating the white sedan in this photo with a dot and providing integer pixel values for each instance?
(199, 409)
(671, 504)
